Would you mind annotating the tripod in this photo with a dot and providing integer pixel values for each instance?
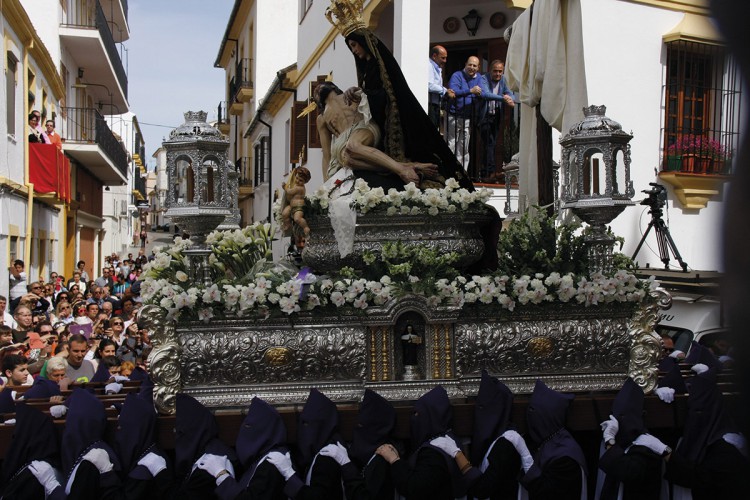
(663, 238)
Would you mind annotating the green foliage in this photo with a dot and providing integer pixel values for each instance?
(535, 244)
(414, 267)
(527, 246)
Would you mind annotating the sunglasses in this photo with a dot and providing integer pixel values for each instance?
(117, 323)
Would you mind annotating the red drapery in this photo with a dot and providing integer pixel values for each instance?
(49, 170)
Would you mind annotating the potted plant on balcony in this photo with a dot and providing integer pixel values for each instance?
(693, 153)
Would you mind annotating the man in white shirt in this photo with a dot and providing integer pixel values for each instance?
(5, 318)
(438, 58)
(17, 279)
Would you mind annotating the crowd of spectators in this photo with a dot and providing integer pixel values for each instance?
(74, 324)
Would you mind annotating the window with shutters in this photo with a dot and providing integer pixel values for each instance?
(261, 161)
(702, 103)
(313, 116)
(298, 142)
(10, 92)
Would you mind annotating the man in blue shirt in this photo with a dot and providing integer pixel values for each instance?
(438, 58)
(466, 84)
(495, 93)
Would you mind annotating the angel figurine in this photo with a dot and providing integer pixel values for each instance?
(294, 201)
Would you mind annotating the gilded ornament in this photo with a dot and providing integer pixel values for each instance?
(541, 347)
(346, 15)
(278, 356)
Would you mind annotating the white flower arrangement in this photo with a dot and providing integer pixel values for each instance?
(410, 201)
(278, 295)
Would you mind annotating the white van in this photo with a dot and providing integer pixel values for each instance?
(694, 317)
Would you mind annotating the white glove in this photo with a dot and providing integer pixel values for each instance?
(214, 464)
(58, 411)
(737, 440)
(699, 368)
(677, 354)
(609, 429)
(446, 444)
(100, 459)
(725, 359)
(666, 394)
(336, 452)
(120, 378)
(520, 445)
(153, 462)
(651, 443)
(283, 463)
(112, 388)
(45, 474)
(10, 421)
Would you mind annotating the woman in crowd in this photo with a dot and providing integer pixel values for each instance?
(63, 313)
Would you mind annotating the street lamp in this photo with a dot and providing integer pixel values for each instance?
(111, 99)
(471, 20)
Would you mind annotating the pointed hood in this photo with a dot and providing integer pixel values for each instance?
(672, 377)
(546, 412)
(136, 431)
(85, 424)
(492, 410)
(627, 408)
(318, 423)
(34, 438)
(432, 416)
(702, 355)
(7, 404)
(375, 423)
(707, 421)
(195, 428)
(102, 373)
(42, 389)
(545, 421)
(261, 431)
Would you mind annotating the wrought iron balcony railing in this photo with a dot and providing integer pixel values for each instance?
(87, 125)
(83, 14)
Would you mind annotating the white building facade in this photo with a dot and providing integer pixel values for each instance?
(634, 53)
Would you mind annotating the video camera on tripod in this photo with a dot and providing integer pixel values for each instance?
(656, 201)
(657, 196)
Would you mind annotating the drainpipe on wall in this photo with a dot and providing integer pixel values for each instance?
(29, 185)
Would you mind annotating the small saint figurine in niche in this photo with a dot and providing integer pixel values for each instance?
(410, 341)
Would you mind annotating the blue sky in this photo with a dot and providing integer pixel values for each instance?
(171, 53)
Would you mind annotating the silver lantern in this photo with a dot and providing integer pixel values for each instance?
(198, 198)
(596, 183)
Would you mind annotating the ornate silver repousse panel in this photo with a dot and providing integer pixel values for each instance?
(276, 394)
(274, 355)
(447, 233)
(410, 391)
(543, 346)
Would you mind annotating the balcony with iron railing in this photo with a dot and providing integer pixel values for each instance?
(222, 121)
(240, 86)
(245, 169)
(116, 12)
(86, 34)
(88, 139)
